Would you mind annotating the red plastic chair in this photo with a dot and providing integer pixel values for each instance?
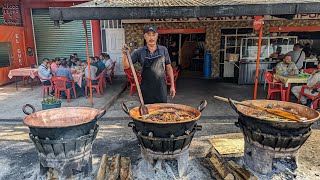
(46, 87)
(98, 86)
(109, 76)
(274, 87)
(103, 79)
(60, 83)
(133, 87)
(302, 93)
(309, 70)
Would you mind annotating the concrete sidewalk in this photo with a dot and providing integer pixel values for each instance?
(12, 100)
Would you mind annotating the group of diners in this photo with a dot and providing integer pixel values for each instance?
(66, 67)
(292, 65)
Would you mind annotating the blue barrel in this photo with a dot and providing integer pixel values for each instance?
(207, 65)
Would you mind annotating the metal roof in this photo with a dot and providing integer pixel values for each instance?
(170, 3)
(149, 9)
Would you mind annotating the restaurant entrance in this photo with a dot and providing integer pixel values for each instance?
(186, 51)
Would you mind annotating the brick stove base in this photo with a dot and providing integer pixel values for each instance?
(182, 158)
(260, 158)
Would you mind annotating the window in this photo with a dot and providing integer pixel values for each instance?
(5, 54)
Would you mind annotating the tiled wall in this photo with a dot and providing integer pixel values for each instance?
(134, 33)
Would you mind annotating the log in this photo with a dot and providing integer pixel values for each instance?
(114, 168)
(217, 163)
(125, 170)
(239, 172)
(102, 168)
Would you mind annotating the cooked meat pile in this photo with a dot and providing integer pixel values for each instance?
(267, 116)
(168, 115)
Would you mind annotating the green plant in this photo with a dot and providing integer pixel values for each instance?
(50, 101)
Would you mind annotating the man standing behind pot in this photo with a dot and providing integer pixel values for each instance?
(155, 61)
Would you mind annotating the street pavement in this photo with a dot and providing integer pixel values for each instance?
(18, 157)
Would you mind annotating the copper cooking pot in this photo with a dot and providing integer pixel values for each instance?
(285, 127)
(62, 123)
(165, 129)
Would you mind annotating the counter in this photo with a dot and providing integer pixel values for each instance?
(247, 71)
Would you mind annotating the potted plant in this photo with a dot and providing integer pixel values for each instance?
(49, 103)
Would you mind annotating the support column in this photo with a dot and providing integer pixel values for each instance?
(29, 36)
(96, 37)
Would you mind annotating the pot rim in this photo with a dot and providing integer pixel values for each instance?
(161, 122)
(284, 122)
(98, 113)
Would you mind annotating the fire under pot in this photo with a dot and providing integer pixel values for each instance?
(160, 140)
(64, 139)
(267, 139)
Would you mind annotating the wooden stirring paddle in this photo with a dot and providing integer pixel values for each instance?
(277, 112)
(143, 109)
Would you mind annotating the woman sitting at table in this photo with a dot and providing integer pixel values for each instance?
(286, 67)
(55, 65)
(313, 80)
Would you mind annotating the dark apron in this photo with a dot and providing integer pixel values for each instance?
(153, 83)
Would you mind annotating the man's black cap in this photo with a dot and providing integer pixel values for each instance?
(151, 28)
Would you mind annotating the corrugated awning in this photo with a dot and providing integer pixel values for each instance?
(149, 9)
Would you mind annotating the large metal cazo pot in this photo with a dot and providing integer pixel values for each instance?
(285, 127)
(165, 129)
(62, 123)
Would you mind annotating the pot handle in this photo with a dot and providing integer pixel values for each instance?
(131, 124)
(198, 127)
(125, 108)
(202, 105)
(26, 112)
(233, 105)
(100, 114)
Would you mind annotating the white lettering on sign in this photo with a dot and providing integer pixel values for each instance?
(19, 50)
(17, 38)
(19, 56)
(228, 18)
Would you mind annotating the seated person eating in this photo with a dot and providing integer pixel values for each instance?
(286, 67)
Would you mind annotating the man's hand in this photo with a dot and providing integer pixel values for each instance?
(172, 91)
(125, 62)
(124, 49)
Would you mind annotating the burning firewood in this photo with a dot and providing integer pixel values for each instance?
(125, 171)
(102, 168)
(114, 168)
(240, 172)
(217, 164)
(113, 171)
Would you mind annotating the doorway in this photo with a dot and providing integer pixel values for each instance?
(190, 48)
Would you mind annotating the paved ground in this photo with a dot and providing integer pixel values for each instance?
(18, 157)
(12, 100)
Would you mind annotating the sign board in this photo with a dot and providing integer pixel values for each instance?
(257, 22)
(226, 18)
(11, 13)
